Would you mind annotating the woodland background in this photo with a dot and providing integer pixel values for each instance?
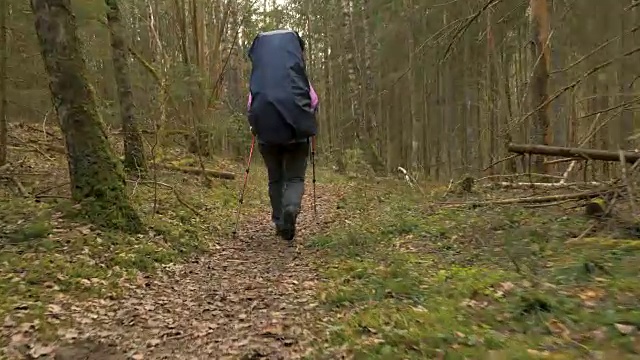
(437, 87)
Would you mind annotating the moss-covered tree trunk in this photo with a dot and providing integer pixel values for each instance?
(134, 158)
(97, 178)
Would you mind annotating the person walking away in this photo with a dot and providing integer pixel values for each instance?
(281, 113)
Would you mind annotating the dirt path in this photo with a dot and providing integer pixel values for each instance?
(252, 297)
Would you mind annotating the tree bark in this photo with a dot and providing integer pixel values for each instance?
(540, 82)
(134, 157)
(96, 176)
(3, 82)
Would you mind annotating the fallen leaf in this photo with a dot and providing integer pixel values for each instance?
(18, 339)
(599, 334)
(540, 354)
(137, 356)
(506, 286)
(53, 309)
(9, 322)
(497, 355)
(272, 331)
(85, 230)
(68, 334)
(153, 342)
(39, 350)
(558, 329)
(625, 329)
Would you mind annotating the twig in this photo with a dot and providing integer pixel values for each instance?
(558, 161)
(155, 184)
(32, 146)
(501, 161)
(573, 85)
(546, 185)
(448, 189)
(44, 130)
(20, 187)
(41, 192)
(519, 175)
(198, 171)
(555, 203)
(39, 197)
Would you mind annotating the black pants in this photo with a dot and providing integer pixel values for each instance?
(286, 166)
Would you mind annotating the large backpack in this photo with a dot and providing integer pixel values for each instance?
(281, 110)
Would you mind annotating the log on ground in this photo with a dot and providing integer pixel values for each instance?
(198, 171)
(578, 153)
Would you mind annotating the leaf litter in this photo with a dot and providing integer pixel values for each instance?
(252, 297)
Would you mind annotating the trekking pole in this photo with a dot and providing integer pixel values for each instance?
(313, 176)
(244, 186)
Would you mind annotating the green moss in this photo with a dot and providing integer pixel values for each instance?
(404, 282)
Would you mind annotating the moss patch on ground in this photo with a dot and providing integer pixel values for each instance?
(408, 281)
(49, 252)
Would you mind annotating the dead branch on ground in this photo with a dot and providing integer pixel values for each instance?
(552, 185)
(577, 153)
(537, 199)
(198, 171)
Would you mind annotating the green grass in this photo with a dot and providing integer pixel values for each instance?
(406, 282)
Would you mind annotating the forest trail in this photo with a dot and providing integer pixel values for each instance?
(251, 297)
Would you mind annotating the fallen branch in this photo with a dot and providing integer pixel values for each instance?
(197, 171)
(537, 199)
(520, 175)
(589, 154)
(555, 203)
(19, 186)
(521, 185)
(41, 193)
(606, 213)
(32, 146)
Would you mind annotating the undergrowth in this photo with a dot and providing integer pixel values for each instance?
(48, 250)
(405, 281)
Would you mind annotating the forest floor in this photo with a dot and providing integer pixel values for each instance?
(384, 273)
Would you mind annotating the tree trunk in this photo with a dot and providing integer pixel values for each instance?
(97, 178)
(134, 157)
(540, 56)
(3, 82)
(355, 91)
(625, 128)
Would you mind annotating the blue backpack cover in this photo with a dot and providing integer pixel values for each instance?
(280, 111)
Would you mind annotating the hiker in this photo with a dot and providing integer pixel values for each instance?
(282, 106)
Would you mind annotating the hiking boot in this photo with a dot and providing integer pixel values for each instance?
(288, 231)
(278, 228)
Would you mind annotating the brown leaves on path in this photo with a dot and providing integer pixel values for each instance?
(252, 297)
